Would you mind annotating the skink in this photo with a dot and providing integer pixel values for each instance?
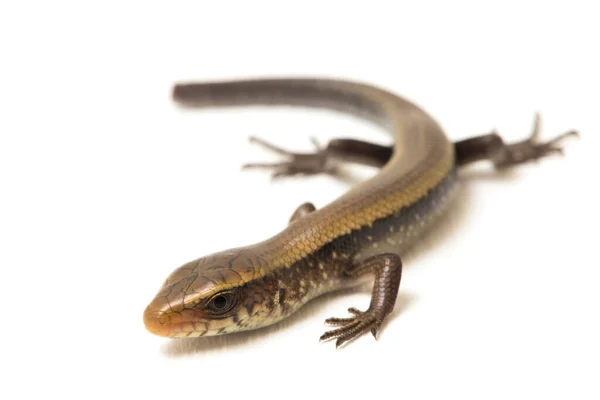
(364, 232)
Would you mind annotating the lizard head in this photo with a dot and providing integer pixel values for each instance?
(209, 296)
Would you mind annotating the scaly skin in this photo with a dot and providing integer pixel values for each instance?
(363, 232)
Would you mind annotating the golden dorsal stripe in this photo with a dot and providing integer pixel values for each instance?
(298, 245)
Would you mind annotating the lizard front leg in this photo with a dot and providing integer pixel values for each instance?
(387, 268)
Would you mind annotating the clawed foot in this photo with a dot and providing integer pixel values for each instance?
(298, 163)
(531, 148)
(350, 328)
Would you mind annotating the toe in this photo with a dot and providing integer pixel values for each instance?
(338, 321)
(355, 311)
(339, 332)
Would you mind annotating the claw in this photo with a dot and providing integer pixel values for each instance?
(535, 132)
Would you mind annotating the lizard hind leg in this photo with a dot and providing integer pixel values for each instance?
(531, 148)
(324, 159)
(294, 163)
(492, 147)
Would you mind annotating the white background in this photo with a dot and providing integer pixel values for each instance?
(106, 187)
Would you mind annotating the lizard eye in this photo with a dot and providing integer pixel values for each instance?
(222, 302)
